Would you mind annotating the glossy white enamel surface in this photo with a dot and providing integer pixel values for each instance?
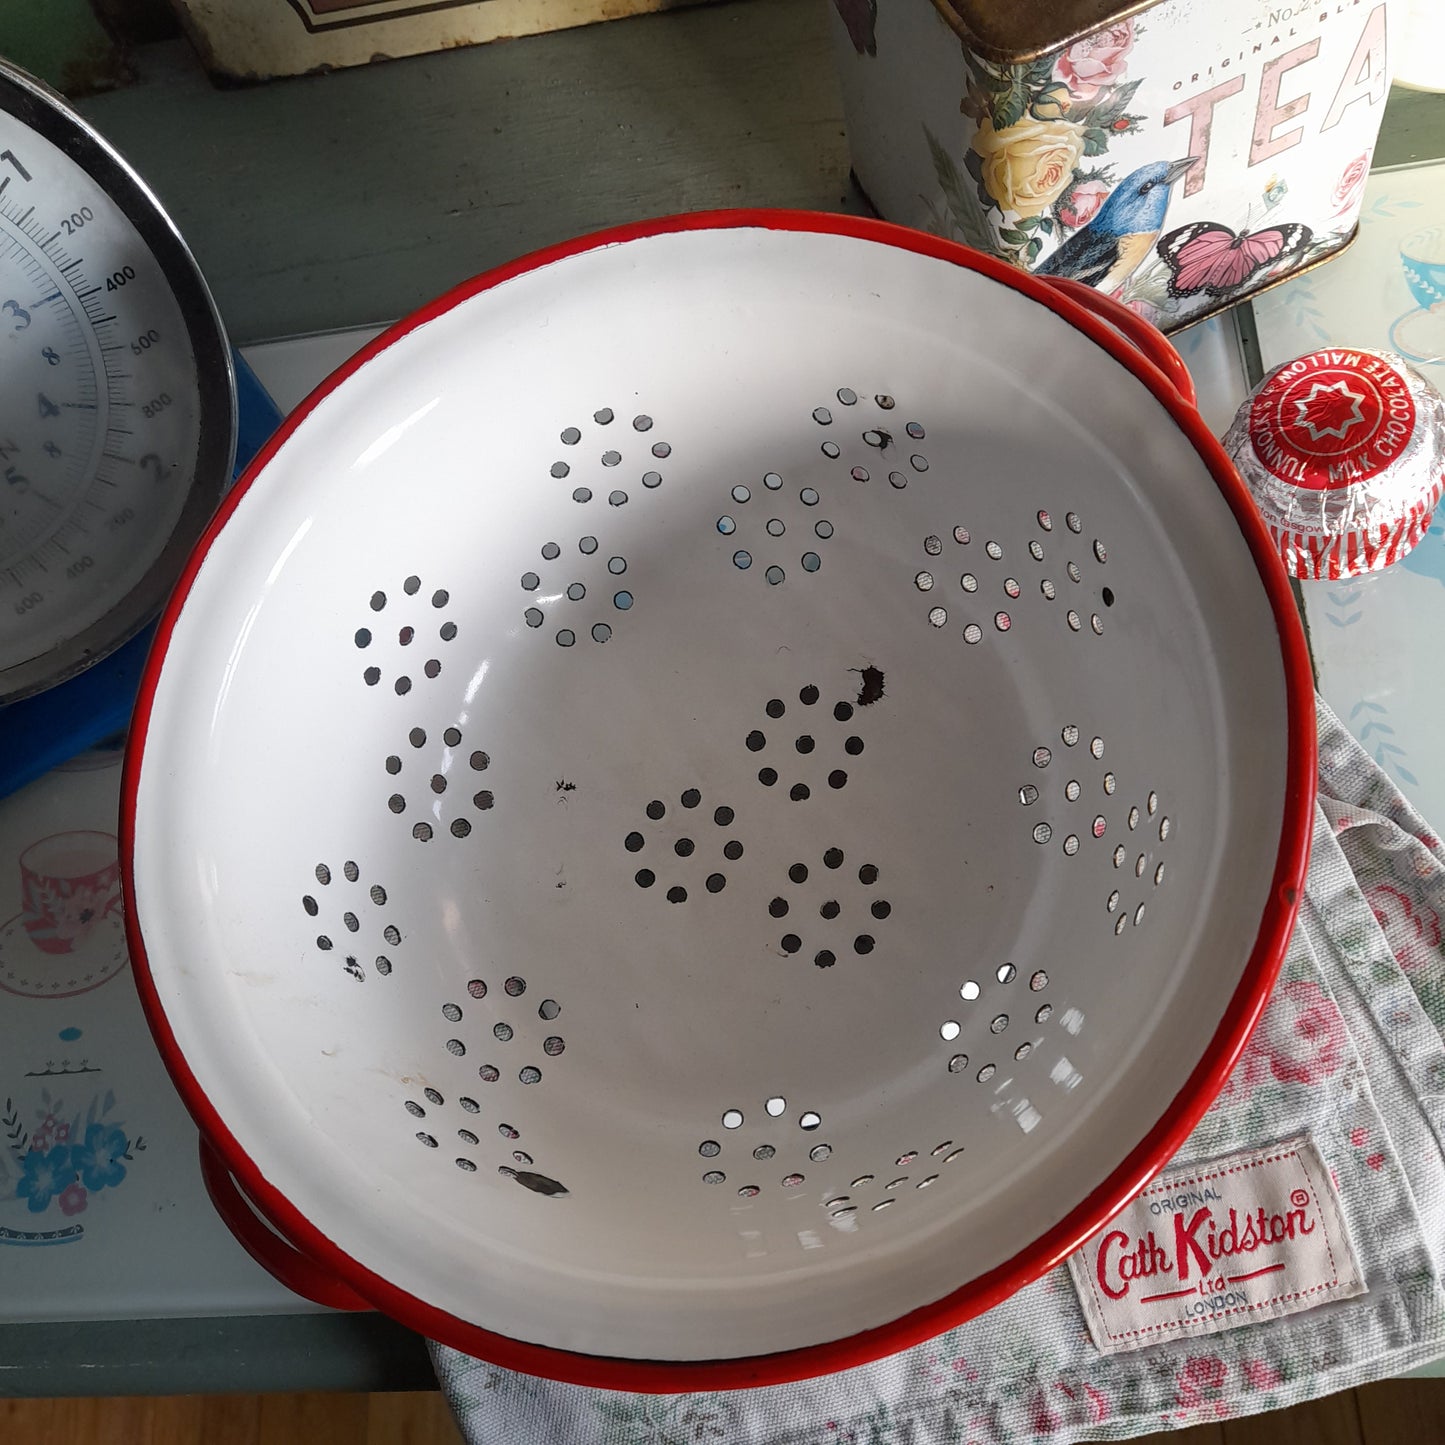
(267, 756)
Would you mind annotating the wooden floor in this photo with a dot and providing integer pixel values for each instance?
(1398, 1412)
(402, 1419)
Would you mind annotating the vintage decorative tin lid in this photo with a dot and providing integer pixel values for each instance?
(1344, 453)
(1015, 30)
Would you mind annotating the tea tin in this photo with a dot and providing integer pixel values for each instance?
(1177, 156)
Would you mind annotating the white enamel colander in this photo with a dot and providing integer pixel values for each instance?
(716, 802)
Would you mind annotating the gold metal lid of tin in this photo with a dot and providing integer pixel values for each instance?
(1019, 30)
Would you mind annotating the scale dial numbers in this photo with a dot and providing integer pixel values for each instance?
(111, 381)
(50, 420)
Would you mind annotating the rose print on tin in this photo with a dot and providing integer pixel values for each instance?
(1027, 177)
(1351, 185)
(1096, 60)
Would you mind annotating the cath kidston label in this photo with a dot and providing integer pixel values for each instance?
(1247, 1237)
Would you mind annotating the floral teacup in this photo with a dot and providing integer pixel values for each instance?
(70, 883)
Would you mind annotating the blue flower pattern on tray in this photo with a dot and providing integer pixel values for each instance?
(61, 1161)
(44, 1175)
(97, 1161)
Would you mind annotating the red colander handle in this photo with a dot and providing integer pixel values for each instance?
(276, 1255)
(1134, 329)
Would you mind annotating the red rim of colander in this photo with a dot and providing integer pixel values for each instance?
(1136, 1169)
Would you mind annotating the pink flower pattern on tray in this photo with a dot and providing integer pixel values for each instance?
(1096, 60)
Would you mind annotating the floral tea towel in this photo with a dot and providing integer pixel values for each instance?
(1349, 1054)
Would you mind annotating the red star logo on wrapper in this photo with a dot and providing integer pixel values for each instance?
(1332, 419)
(1330, 410)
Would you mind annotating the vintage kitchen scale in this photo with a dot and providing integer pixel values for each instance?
(118, 433)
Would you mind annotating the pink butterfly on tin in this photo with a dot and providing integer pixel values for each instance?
(1205, 256)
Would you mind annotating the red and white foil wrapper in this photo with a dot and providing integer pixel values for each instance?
(1343, 451)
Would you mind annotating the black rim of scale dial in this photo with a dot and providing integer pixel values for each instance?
(47, 114)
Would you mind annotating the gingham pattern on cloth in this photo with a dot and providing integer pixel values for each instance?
(1350, 1050)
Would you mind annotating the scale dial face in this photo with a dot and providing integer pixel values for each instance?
(117, 412)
